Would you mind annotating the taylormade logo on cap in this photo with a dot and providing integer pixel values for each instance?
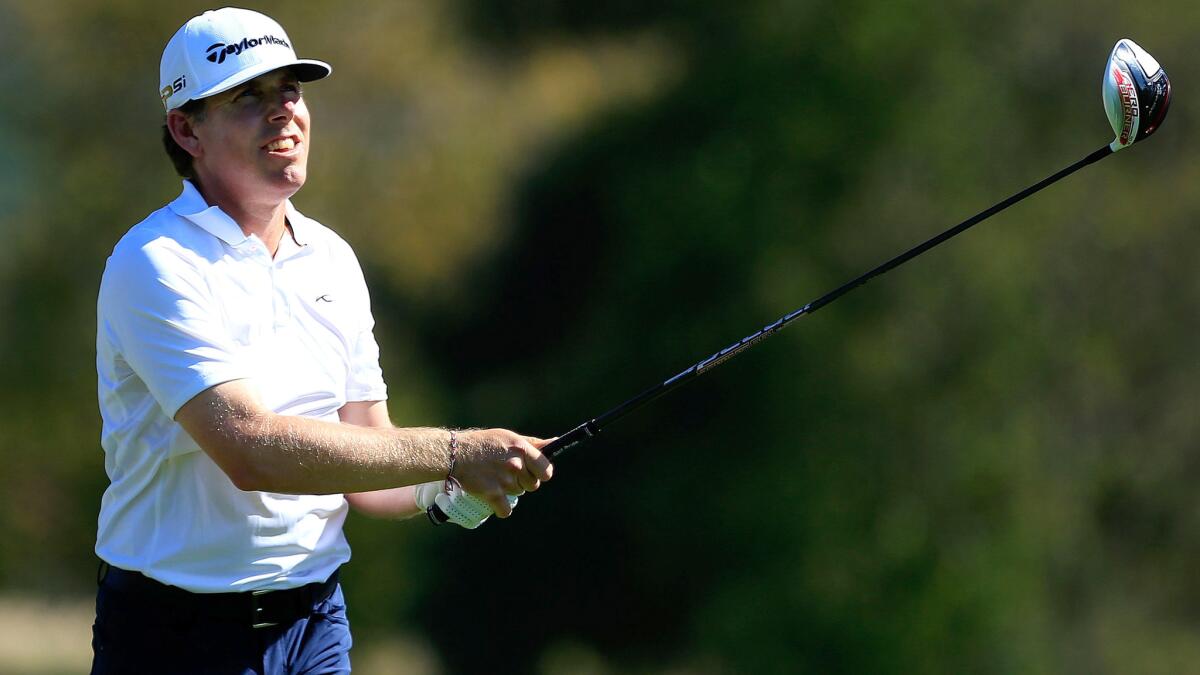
(218, 52)
(223, 48)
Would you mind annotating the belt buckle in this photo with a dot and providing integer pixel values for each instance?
(256, 611)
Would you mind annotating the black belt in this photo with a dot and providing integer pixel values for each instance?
(260, 609)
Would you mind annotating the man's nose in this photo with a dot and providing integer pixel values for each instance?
(283, 108)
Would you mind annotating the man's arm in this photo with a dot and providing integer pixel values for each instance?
(396, 503)
(261, 450)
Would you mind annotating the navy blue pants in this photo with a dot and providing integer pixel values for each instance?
(135, 633)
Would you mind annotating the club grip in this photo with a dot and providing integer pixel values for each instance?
(570, 439)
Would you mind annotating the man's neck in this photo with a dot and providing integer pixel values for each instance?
(266, 218)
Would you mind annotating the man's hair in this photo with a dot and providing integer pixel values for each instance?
(194, 109)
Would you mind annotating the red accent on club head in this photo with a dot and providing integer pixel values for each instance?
(1162, 111)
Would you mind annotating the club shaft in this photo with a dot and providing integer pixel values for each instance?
(595, 425)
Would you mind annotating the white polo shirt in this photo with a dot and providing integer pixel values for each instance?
(187, 302)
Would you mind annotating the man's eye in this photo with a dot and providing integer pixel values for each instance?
(245, 93)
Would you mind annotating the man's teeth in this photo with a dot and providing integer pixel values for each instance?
(283, 144)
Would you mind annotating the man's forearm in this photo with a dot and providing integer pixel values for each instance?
(261, 450)
(393, 504)
(298, 455)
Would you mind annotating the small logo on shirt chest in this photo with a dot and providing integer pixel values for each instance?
(324, 298)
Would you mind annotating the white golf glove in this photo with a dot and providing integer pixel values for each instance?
(463, 508)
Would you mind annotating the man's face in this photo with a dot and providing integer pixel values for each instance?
(254, 138)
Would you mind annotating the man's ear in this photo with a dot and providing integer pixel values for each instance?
(183, 130)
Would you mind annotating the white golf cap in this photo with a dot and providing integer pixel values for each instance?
(223, 48)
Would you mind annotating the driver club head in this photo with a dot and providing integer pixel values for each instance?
(1136, 93)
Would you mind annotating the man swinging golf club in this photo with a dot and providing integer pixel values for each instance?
(242, 401)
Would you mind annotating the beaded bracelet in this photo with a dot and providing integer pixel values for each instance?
(453, 457)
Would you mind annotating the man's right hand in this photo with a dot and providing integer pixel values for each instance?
(495, 463)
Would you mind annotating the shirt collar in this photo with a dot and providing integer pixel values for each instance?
(190, 204)
(302, 227)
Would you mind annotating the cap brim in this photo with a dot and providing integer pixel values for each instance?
(310, 69)
(306, 70)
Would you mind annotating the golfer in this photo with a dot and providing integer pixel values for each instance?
(243, 405)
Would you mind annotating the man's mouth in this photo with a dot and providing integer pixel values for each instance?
(284, 144)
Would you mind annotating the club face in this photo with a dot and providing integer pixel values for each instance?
(1136, 93)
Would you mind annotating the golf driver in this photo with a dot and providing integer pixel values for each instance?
(1136, 95)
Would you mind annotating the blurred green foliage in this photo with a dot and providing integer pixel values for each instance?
(980, 463)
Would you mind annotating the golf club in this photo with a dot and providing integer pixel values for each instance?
(1136, 95)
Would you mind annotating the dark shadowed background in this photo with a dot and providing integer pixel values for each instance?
(984, 462)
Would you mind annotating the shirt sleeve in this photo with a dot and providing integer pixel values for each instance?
(365, 378)
(157, 309)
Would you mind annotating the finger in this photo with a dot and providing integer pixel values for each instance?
(540, 443)
(528, 482)
(510, 484)
(538, 464)
(516, 477)
(498, 503)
